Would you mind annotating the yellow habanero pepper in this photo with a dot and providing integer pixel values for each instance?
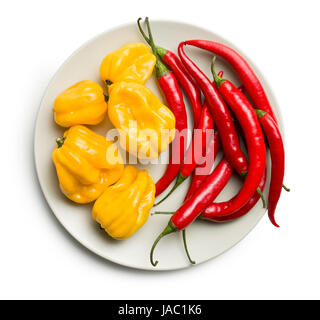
(131, 63)
(124, 207)
(86, 163)
(82, 103)
(146, 126)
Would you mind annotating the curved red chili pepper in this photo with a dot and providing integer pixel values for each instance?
(193, 156)
(220, 113)
(274, 139)
(211, 212)
(174, 98)
(248, 78)
(213, 184)
(185, 80)
(185, 215)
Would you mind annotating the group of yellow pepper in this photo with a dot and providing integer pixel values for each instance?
(89, 166)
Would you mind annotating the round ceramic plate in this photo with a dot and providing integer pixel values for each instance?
(77, 219)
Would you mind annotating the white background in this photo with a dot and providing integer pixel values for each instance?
(38, 259)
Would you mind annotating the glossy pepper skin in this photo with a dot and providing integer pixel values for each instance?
(247, 76)
(131, 63)
(124, 207)
(220, 113)
(142, 119)
(249, 122)
(82, 103)
(86, 164)
(193, 93)
(273, 135)
(210, 155)
(212, 212)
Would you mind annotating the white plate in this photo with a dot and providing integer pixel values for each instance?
(206, 240)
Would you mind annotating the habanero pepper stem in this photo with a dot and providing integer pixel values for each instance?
(220, 113)
(174, 98)
(247, 76)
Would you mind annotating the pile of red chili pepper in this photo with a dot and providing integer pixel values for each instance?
(228, 111)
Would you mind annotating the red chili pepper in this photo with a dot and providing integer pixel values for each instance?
(197, 178)
(211, 212)
(174, 98)
(274, 139)
(184, 79)
(190, 209)
(220, 113)
(248, 119)
(190, 162)
(248, 78)
(193, 156)
(249, 122)
(210, 154)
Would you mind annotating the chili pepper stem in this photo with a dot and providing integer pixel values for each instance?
(186, 246)
(161, 212)
(259, 192)
(60, 141)
(160, 68)
(179, 180)
(170, 228)
(216, 78)
(286, 188)
(143, 33)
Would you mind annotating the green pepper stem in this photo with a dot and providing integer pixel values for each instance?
(286, 188)
(260, 113)
(179, 180)
(186, 247)
(259, 192)
(143, 33)
(161, 212)
(60, 141)
(216, 78)
(170, 228)
(161, 69)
